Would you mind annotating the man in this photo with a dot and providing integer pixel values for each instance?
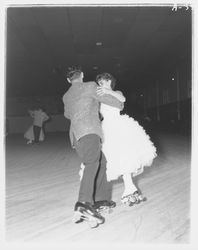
(81, 107)
(39, 117)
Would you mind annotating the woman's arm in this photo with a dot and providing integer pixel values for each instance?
(46, 117)
(117, 94)
(106, 99)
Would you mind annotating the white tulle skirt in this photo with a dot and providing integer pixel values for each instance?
(127, 147)
(29, 134)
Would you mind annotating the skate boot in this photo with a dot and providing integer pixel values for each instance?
(133, 199)
(29, 142)
(104, 206)
(86, 212)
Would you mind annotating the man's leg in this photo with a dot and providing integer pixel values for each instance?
(103, 188)
(88, 148)
(37, 131)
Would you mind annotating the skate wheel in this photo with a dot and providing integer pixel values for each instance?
(105, 211)
(125, 200)
(133, 199)
(77, 218)
(110, 211)
(141, 198)
(144, 199)
(130, 204)
(93, 224)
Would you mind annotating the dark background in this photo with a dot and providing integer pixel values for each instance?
(147, 49)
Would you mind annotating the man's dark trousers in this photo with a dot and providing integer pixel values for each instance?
(94, 185)
(37, 131)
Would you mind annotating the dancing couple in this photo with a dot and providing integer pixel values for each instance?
(117, 146)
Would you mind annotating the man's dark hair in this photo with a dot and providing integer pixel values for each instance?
(73, 72)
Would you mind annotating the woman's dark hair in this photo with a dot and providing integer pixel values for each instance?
(106, 76)
(73, 72)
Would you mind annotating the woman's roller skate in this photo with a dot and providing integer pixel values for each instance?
(132, 199)
(86, 212)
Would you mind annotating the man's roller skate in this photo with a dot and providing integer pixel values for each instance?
(86, 212)
(104, 206)
(132, 199)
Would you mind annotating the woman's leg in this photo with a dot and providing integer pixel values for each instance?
(129, 187)
(131, 194)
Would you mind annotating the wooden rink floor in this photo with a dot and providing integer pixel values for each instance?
(42, 187)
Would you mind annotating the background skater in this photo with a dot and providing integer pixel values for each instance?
(35, 133)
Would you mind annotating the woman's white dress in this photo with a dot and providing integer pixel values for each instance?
(127, 147)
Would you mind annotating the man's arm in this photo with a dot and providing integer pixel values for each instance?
(66, 112)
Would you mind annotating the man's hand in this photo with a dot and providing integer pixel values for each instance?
(101, 91)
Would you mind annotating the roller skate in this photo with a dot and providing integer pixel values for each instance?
(86, 212)
(133, 199)
(29, 142)
(104, 206)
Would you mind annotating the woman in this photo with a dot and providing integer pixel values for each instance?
(127, 147)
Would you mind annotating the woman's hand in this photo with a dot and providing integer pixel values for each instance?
(101, 91)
